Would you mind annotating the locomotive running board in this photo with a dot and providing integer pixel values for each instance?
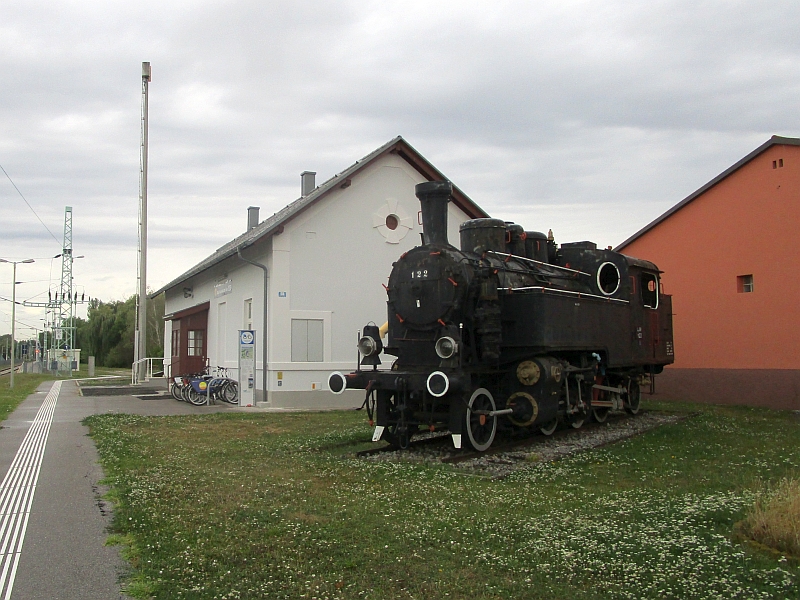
(376, 435)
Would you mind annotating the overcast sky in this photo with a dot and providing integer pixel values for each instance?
(590, 118)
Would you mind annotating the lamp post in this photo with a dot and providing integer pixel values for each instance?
(14, 309)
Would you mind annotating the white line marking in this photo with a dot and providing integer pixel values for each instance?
(18, 488)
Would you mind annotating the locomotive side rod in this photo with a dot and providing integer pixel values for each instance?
(493, 413)
(617, 390)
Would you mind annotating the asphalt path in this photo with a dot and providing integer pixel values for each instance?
(63, 554)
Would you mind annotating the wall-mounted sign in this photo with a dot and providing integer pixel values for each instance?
(247, 367)
(223, 287)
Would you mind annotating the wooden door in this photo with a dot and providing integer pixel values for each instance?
(190, 340)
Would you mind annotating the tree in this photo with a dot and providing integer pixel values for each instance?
(108, 332)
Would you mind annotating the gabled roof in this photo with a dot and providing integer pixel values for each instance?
(276, 222)
(775, 140)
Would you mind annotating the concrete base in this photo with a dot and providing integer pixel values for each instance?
(321, 399)
(769, 388)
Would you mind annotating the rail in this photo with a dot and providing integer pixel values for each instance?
(149, 371)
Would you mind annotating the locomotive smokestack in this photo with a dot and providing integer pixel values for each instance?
(433, 197)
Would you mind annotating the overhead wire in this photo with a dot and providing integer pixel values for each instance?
(29, 206)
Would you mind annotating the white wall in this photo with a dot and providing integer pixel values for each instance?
(329, 264)
(332, 261)
(246, 282)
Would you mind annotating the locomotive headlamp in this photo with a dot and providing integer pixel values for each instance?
(367, 345)
(370, 345)
(446, 347)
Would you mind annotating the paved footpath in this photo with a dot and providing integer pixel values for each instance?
(53, 522)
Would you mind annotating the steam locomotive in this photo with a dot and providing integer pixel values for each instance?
(511, 331)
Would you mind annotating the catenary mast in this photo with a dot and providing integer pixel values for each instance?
(64, 318)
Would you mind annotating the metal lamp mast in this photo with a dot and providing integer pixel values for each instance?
(140, 346)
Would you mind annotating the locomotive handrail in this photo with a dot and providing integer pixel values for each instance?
(538, 262)
(557, 291)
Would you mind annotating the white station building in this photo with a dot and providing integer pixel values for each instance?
(321, 264)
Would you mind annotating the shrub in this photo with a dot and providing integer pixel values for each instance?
(774, 520)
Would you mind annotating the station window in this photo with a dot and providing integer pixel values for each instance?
(195, 345)
(744, 284)
(649, 290)
(176, 342)
(247, 313)
(307, 340)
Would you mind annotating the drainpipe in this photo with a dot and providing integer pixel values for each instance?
(264, 326)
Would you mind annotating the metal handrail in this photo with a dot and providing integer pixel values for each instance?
(148, 368)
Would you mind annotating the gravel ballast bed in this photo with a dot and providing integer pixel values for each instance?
(540, 449)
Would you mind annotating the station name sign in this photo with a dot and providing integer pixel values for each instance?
(223, 287)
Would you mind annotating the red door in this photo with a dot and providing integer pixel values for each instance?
(190, 340)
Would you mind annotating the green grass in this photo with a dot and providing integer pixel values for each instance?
(238, 505)
(24, 385)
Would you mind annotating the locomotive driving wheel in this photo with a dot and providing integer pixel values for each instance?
(575, 420)
(481, 423)
(600, 414)
(549, 427)
(634, 398)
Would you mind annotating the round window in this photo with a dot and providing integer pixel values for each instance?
(608, 278)
(392, 222)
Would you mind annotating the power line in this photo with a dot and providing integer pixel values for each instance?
(29, 205)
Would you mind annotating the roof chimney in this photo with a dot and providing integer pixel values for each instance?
(307, 183)
(252, 217)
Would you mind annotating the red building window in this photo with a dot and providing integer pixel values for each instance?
(744, 284)
(195, 345)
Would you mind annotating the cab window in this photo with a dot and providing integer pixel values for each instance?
(649, 290)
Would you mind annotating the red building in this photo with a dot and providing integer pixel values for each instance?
(730, 254)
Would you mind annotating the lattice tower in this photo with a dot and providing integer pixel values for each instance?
(65, 304)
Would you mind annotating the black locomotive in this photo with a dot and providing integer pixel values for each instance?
(509, 331)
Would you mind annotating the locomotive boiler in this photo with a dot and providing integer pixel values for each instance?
(509, 331)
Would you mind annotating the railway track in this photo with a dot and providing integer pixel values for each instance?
(501, 444)
(424, 442)
(523, 442)
(509, 452)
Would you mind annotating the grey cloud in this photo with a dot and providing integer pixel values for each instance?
(593, 116)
